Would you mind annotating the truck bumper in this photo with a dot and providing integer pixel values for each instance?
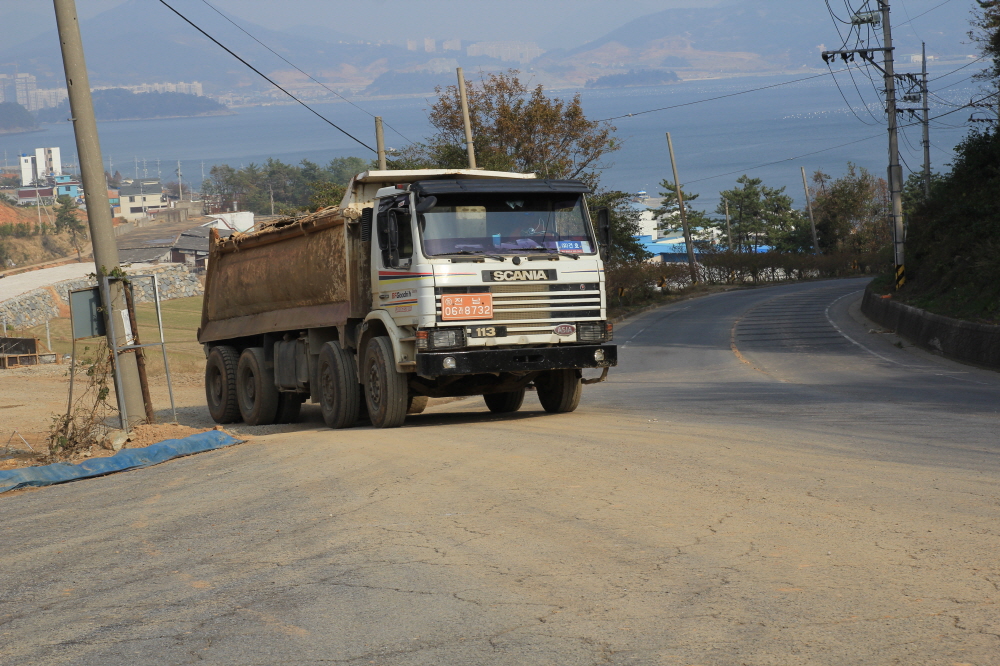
(529, 359)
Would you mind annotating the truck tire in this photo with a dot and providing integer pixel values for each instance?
(220, 384)
(255, 390)
(289, 407)
(418, 403)
(385, 387)
(339, 392)
(559, 390)
(504, 403)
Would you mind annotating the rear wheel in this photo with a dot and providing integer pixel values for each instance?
(220, 384)
(289, 407)
(339, 392)
(559, 390)
(255, 390)
(385, 387)
(503, 403)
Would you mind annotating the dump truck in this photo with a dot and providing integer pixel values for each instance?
(420, 284)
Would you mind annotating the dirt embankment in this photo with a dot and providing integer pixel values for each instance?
(26, 250)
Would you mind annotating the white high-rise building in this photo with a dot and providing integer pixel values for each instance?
(27, 164)
(46, 162)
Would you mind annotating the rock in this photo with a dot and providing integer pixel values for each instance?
(115, 439)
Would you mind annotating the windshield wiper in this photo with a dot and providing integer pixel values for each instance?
(477, 253)
(549, 252)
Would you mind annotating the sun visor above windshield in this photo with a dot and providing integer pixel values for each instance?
(425, 188)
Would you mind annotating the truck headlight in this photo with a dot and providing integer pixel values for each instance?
(594, 331)
(440, 338)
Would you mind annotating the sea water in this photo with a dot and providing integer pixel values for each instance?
(757, 133)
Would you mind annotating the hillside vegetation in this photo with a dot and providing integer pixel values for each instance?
(24, 242)
(954, 239)
(121, 104)
(15, 118)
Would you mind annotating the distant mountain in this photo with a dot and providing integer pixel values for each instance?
(143, 42)
(15, 118)
(748, 36)
(120, 104)
(635, 77)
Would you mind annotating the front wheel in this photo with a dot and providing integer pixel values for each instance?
(559, 390)
(339, 393)
(385, 387)
(504, 403)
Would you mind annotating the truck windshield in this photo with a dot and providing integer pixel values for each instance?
(506, 224)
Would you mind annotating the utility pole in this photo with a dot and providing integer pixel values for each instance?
(98, 208)
(380, 144)
(684, 223)
(465, 119)
(729, 229)
(180, 182)
(895, 172)
(927, 122)
(809, 205)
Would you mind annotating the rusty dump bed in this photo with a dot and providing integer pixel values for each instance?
(292, 275)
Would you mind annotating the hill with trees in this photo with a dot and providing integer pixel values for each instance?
(121, 104)
(953, 242)
(15, 118)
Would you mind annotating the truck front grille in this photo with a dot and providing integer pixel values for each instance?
(537, 308)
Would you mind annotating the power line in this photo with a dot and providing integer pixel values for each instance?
(266, 78)
(922, 13)
(823, 150)
(710, 99)
(851, 108)
(300, 70)
(971, 62)
(787, 159)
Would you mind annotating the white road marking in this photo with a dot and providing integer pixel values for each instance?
(884, 358)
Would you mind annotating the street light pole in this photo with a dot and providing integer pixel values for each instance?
(98, 207)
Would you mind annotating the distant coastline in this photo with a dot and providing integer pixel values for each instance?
(222, 112)
(20, 130)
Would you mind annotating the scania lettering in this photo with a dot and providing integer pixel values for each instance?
(419, 285)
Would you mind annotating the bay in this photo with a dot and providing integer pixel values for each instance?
(714, 141)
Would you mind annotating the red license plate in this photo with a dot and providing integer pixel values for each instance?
(466, 306)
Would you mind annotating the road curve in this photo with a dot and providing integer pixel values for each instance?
(765, 479)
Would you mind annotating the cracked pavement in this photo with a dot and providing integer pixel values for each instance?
(810, 501)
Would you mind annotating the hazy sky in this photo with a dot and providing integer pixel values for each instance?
(560, 23)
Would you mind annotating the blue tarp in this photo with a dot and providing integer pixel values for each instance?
(46, 475)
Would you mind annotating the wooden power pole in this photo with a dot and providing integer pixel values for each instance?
(684, 224)
(98, 207)
(809, 205)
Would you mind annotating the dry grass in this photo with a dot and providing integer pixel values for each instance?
(181, 318)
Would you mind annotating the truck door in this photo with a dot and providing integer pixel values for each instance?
(392, 268)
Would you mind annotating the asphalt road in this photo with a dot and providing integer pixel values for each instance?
(762, 481)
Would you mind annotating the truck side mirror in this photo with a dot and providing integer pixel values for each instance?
(604, 232)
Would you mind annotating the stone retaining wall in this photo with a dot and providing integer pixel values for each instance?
(40, 305)
(978, 344)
